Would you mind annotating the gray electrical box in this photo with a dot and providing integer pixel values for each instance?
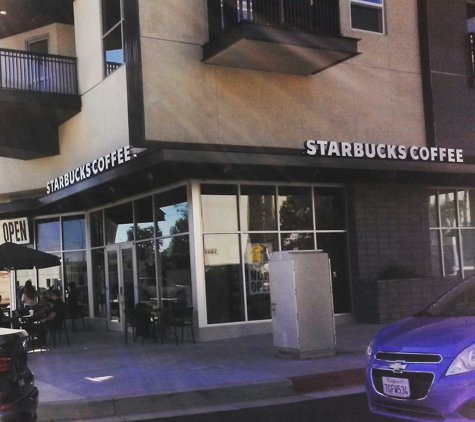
(303, 323)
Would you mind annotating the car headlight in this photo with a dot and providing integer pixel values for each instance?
(464, 362)
(369, 350)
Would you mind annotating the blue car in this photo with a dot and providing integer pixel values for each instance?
(423, 368)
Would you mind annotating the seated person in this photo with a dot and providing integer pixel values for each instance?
(58, 313)
(42, 310)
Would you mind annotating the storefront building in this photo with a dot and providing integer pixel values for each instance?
(184, 155)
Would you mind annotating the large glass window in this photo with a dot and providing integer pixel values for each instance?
(367, 15)
(99, 283)
(74, 233)
(237, 256)
(452, 225)
(112, 34)
(48, 235)
(119, 222)
(171, 212)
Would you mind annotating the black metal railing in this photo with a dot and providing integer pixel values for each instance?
(25, 71)
(111, 67)
(318, 16)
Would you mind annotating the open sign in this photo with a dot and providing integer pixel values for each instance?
(14, 231)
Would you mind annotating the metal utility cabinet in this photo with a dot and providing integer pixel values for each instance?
(302, 304)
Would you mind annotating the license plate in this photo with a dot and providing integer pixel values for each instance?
(396, 387)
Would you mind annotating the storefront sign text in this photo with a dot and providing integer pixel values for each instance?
(99, 165)
(15, 231)
(382, 151)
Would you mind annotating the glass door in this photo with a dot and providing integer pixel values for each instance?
(121, 284)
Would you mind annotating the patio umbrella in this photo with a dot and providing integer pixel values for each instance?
(18, 257)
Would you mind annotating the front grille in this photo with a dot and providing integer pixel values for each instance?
(409, 357)
(405, 409)
(419, 382)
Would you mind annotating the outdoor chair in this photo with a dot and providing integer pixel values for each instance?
(57, 326)
(76, 313)
(142, 322)
(174, 318)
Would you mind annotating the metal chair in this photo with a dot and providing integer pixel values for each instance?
(76, 313)
(58, 325)
(178, 318)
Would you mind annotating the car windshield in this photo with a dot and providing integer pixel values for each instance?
(456, 302)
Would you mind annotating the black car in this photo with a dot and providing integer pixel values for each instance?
(18, 394)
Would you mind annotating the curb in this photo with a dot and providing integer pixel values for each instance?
(214, 396)
(131, 405)
(328, 380)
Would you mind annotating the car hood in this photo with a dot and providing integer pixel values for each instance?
(445, 336)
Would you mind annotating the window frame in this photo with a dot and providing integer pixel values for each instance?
(108, 71)
(372, 5)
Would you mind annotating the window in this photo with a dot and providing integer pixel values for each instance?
(452, 226)
(112, 19)
(367, 15)
(244, 224)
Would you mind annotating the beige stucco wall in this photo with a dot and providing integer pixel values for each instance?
(100, 127)
(60, 39)
(375, 97)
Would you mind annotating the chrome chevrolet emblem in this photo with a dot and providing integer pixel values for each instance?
(398, 366)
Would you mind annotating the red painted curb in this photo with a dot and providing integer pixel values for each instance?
(329, 380)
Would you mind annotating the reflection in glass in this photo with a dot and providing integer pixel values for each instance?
(451, 252)
(433, 207)
(99, 283)
(48, 235)
(335, 245)
(174, 270)
(223, 278)
(171, 212)
(97, 229)
(119, 224)
(144, 218)
(297, 241)
(468, 248)
(219, 208)
(111, 15)
(147, 283)
(258, 248)
(75, 271)
(466, 201)
(49, 278)
(127, 269)
(113, 273)
(435, 253)
(74, 233)
(329, 208)
(447, 207)
(258, 208)
(295, 208)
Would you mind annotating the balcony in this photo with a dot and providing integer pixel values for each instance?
(38, 92)
(298, 37)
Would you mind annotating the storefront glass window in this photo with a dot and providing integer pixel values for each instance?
(447, 208)
(466, 203)
(258, 248)
(258, 208)
(451, 252)
(174, 271)
(144, 218)
(171, 212)
(295, 208)
(435, 253)
(99, 283)
(297, 242)
(48, 235)
(223, 278)
(119, 221)
(74, 233)
(330, 211)
(468, 248)
(219, 208)
(75, 271)
(147, 279)
(236, 255)
(50, 278)
(97, 229)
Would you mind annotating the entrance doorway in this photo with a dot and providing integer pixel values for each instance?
(121, 282)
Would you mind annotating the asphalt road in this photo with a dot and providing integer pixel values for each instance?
(351, 408)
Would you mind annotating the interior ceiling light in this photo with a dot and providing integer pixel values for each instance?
(3, 12)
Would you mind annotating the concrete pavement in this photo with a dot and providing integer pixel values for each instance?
(98, 376)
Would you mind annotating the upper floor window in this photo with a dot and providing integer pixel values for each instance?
(112, 18)
(367, 15)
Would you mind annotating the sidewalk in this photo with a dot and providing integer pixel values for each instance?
(99, 376)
